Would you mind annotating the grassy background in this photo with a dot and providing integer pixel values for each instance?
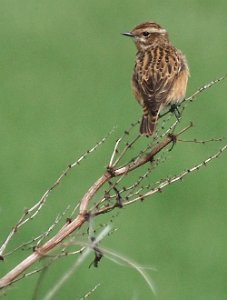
(65, 82)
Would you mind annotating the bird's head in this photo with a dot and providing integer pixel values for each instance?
(147, 34)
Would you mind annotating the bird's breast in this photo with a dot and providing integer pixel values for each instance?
(178, 90)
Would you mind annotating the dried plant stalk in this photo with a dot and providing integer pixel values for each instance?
(114, 197)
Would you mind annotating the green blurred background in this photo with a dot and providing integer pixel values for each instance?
(65, 82)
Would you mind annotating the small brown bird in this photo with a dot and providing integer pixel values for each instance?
(160, 74)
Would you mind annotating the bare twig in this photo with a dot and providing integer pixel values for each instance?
(134, 193)
(90, 292)
(30, 213)
(115, 151)
(202, 141)
(40, 237)
(68, 228)
(204, 87)
(176, 178)
(77, 263)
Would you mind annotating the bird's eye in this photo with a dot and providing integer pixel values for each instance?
(146, 33)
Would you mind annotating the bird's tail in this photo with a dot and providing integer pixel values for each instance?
(148, 124)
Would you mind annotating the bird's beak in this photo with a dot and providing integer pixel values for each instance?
(128, 34)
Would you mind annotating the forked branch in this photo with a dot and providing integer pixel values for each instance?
(114, 196)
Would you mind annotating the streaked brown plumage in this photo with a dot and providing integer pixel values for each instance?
(160, 74)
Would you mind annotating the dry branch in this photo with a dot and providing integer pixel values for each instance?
(113, 197)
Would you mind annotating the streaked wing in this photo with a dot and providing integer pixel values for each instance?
(157, 70)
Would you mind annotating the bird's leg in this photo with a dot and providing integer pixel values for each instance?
(173, 109)
(164, 114)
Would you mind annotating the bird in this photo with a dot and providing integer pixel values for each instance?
(160, 73)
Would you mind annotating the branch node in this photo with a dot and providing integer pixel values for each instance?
(173, 138)
(68, 220)
(86, 215)
(110, 171)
